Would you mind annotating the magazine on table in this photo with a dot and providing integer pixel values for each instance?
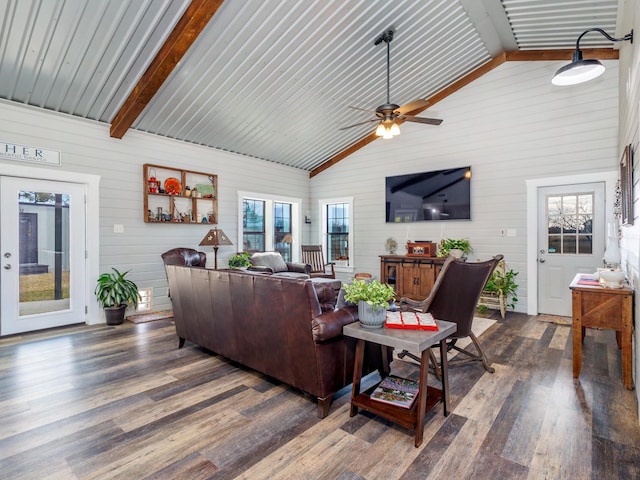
(396, 391)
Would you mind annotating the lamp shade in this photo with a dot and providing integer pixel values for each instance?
(578, 72)
(215, 237)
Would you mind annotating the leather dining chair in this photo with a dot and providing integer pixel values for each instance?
(454, 298)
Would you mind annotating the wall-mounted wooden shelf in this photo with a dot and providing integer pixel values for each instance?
(179, 204)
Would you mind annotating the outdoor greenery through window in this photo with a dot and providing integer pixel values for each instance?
(570, 224)
(337, 230)
(269, 225)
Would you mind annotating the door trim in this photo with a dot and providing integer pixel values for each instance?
(92, 222)
(610, 177)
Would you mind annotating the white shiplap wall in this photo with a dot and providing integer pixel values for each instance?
(87, 148)
(510, 125)
(630, 134)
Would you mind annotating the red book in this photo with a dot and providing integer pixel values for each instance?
(410, 321)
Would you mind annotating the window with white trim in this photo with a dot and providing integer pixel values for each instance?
(270, 223)
(337, 231)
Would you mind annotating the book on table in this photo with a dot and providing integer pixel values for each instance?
(410, 321)
(396, 391)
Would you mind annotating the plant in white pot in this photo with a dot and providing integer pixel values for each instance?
(456, 247)
(372, 298)
(114, 292)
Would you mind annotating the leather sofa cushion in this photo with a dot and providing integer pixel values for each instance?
(326, 295)
(272, 260)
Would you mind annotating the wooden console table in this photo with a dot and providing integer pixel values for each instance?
(414, 341)
(609, 308)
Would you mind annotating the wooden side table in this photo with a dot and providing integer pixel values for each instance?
(609, 308)
(414, 341)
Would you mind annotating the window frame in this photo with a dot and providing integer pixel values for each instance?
(296, 220)
(324, 234)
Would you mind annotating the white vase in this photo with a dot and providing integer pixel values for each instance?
(370, 318)
(456, 253)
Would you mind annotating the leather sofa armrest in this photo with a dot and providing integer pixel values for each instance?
(299, 267)
(260, 268)
(329, 325)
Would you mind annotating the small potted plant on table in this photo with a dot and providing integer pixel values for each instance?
(372, 298)
(239, 261)
(114, 292)
(454, 247)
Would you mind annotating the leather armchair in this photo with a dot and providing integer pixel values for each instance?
(273, 263)
(187, 257)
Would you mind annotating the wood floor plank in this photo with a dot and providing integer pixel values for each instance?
(124, 402)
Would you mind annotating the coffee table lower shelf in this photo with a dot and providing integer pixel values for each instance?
(405, 417)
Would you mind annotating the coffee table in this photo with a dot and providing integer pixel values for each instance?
(414, 341)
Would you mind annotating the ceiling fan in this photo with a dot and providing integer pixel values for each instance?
(388, 114)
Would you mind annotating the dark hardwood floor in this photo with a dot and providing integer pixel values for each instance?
(123, 402)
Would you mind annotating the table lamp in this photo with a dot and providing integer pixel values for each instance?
(215, 237)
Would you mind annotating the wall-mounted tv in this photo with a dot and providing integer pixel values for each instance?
(436, 195)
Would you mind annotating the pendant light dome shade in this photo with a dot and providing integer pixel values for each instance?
(579, 70)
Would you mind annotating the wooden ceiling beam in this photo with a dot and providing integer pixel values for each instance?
(515, 56)
(184, 34)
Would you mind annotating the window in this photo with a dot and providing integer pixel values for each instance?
(569, 224)
(337, 232)
(270, 223)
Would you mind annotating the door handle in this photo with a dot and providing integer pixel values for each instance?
(541, 260)
(7, 255)
(7, 267)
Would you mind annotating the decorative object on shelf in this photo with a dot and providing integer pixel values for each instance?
(448, 244)
(372, 298)
(153, 183)
(195, 193)
(391, 246)
(239, 260)
(206, 190)
(114, 292)
(579, 70)
(187, 191)
(421, 249)
(214, 238)
(172, 186)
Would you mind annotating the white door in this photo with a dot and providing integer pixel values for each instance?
(42, 243)
(571, 227)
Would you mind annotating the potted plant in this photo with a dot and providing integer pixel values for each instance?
(114, 292)
(372, 298)
(460, 247)
(502, 284)
(239, 260)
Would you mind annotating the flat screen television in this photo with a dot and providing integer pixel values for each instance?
(426, 196)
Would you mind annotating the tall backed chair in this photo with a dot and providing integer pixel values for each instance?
(187, 257)
(312, 255)
(454, 298)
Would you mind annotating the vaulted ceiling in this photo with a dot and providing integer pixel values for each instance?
(272, 79)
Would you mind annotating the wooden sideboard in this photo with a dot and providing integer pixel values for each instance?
(410, 276)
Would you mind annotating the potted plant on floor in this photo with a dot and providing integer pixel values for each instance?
(114, 293)
(372, 298)
(239, 261)
(502, 285)
(456, 247)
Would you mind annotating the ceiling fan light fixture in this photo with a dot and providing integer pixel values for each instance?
(387, 134)
(579, 70)
(380, 131)
(395, 129)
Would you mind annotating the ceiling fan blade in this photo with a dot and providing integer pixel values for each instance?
(361, 123)
(411, 106)
(428, 121)
(364, 110)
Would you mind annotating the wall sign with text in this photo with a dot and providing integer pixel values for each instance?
(25, 153)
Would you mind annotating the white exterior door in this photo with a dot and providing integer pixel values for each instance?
(43, 244)
(571, 227)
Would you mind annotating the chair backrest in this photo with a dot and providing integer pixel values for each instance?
(312, 255)
(455, 294)
(187, 257)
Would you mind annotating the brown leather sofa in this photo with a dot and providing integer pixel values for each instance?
(286, 328)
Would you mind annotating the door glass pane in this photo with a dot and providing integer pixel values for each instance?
(43, 239)
(570, 224)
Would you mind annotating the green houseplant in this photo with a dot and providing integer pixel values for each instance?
(502, 284)
(239, 260)
(448, 244)
(114, 292)
(372, 298)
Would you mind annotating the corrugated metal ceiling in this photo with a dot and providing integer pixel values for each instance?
(271, 79)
